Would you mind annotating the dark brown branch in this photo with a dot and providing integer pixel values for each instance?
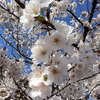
(9, 12)
(76, 45)
(26, 61)
(74, 16)
(86, 29)
(94, 3)
(20, 88)
(1, 74)
(89, 77)
(70, 84)
(14, 47)
(20, 4)
(48, 24)
(58, 91)
(93, 88)
(71, 68)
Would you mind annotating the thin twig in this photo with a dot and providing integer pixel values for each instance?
(14, 48)
(74, 16)
(70, 84)
(9, 12)
(20, 87)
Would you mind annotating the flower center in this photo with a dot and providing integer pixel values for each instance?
(54, 71)
(3, 93)
(43, 53)
(38, 74)
(35, 11)
(56, 40)
(79, 66)
(57, 62)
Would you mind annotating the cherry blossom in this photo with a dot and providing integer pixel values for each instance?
(49, 49)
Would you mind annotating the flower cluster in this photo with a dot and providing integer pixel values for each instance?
(58, 67)
(12, 68)
(57, 60)
(47, 50)
(32, 10)
(59, 41)
(4, 93)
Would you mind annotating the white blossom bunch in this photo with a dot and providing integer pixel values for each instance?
(53, 49)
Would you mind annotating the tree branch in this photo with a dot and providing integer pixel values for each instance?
(9, 12)
(86, 29)
(93, 88)
(90, 19)
(89, 77)
(94, 3)
(70, 84)
(58, 91)
(14, 47)
(20, 4)
(20, 88)
(74, 16)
